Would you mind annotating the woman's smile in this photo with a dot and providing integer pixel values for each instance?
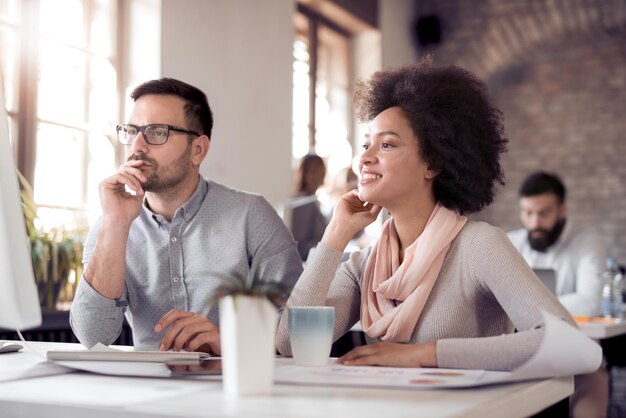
(367, 177)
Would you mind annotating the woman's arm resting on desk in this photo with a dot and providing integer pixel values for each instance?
(392, 354)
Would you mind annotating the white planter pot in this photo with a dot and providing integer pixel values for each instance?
(248, 343)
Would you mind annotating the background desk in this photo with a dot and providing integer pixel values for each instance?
(82, 395)
(612, 338)
(602, 330)
(55, 327)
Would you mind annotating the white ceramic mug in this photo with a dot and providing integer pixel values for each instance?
(311, 334)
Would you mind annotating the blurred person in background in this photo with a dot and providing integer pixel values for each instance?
(307, 221)
(549, 239)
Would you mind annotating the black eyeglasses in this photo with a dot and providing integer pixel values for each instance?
(155, 134)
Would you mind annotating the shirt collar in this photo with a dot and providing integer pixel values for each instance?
(189, 209)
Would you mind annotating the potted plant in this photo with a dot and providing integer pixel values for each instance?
(248, 318)
(56, 254)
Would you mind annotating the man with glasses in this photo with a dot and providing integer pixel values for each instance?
(168, 236)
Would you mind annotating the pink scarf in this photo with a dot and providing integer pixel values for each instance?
(386, 280)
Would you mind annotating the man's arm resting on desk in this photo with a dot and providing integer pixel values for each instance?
(97, 312)
(94, 318)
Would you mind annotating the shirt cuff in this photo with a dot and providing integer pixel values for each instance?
(87, 294)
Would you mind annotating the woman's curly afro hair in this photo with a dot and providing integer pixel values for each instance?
(460, 132)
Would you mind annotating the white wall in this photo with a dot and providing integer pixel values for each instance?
(143, 47)
(395, 25)
(239, 52)
(140, 50)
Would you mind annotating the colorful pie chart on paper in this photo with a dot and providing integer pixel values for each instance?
(426, 381)
(446, 374)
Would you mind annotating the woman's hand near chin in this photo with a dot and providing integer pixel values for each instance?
(350, 216)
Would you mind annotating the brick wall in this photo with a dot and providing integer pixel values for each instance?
(557, 70)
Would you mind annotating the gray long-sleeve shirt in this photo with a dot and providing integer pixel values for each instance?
(217, 234)
(578, 257)
(484, 290)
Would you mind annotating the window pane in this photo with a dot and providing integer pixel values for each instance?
(63, 20)
(76, 99)
(65, 219)
(300, 99)
(61, 83)
(332, 115)
(59, 166)
(103, 99)
(65, 174)
(12, 131)
(8, 46)
(333, 57)
(100, 165)
(102, 29)
(8, 11)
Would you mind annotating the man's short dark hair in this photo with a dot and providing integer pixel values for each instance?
(541, 182)
(198, 113)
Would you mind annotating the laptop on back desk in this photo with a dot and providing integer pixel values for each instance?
(547, 277)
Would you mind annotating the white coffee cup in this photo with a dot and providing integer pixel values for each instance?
(311, 334)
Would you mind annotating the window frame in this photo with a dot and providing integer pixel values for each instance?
(314, 22)
(24, 115)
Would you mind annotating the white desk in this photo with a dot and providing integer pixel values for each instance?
(79, 394)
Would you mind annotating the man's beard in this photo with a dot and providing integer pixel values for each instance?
(162, 180)
(548, 238)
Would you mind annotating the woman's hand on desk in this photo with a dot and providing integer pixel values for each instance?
(392, 354)
(189, 331)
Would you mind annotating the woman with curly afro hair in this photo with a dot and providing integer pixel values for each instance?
(452, 288)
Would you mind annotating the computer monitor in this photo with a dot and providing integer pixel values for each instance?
(19, 303)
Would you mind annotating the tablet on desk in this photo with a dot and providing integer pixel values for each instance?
(120, 355)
